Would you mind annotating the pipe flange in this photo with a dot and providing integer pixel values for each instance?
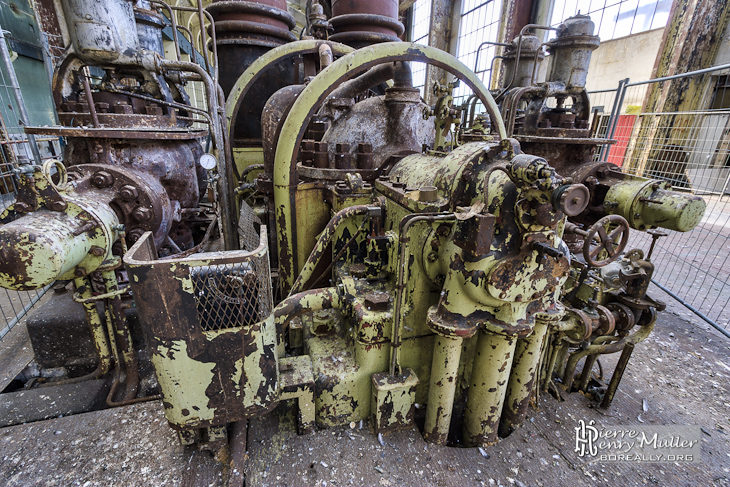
(149, 208)
(606, 319)
(624, 318)
(240, 29)
(363, 37)
(250, 9)
(361, 22)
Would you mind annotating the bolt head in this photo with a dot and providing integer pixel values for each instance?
(141, 214)
(128, 192)
(135, 234)
(80, 272)
(58, 205)
(96, 251)
(102, 179)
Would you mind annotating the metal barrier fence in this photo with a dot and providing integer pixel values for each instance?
(691, 149)
(16, 148)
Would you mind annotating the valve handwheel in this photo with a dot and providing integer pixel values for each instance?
(613, 242)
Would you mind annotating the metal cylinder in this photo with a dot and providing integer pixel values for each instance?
(43, 246)
(149, 27)
(244, 32)
(649, 203)
(522, 379)
(489, 376)
(101, 32)
(359, 24)
(570, 52)
(444, 370)
(526, 63)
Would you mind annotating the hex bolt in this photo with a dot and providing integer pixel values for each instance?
(377, 301)
(96, 251)
(58, 205)
(123, 108)
(135, 234)
(128, 192)
(343, 158)
(141, 214)
(102, 179)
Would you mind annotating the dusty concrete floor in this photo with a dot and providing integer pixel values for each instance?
(681, 371)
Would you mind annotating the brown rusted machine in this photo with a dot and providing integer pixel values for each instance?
(396, 265)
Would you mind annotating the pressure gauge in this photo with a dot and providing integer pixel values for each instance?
(208, 161)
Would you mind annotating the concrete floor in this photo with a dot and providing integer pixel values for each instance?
(682, 372)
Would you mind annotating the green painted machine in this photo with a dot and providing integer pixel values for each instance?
(392, 262)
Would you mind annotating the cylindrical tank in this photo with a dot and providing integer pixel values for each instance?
(359, 24)
(244, 32)
(649, 203)
(101, 32)
(526, 65)
(570, 52)
(44, 245)
(149, 27)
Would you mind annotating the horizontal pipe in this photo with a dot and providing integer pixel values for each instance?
(313, 300)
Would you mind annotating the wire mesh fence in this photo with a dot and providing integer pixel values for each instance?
(678, 129)
(16, 149)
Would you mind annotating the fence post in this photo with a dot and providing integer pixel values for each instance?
(22, 112)
(615, 112)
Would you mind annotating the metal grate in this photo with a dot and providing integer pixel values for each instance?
(15, 146)
(234, 293)
(247, 223)
(227, 296)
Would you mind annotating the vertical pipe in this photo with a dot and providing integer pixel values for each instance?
(560, 356)
(585, 375)
(522, 379)
(83, 287)
(490, 373)
(123, 338)
(444, 371)
(22, 112)
(617, 375)
(89, 97)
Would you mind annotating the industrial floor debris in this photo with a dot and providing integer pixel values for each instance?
(682, 371)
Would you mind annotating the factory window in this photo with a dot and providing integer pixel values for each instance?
(616, 18)
(420, 29)
(478, 22)
(721, 94)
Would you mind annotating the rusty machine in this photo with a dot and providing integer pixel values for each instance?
(328, 238)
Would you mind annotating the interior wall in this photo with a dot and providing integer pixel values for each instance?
(630, 57)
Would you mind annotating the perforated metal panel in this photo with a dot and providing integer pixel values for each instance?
(247, 223)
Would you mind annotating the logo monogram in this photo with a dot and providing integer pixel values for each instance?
(585, 436)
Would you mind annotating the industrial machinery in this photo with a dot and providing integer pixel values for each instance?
(382, 259)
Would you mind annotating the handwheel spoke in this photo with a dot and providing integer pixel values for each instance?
(617, 232)
(608, 245)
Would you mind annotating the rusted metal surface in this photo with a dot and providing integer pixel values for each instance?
(359, 24)
(244, 32)
(208, 376)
